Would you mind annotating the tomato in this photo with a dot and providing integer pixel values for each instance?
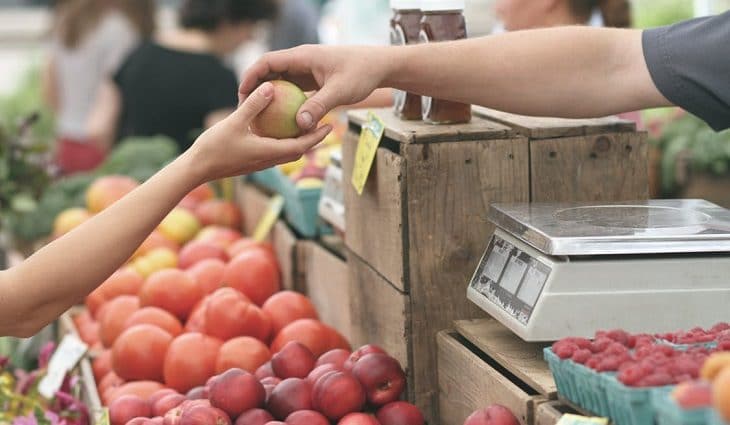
(255, 273)
(244, 352)
(190, 361)
(115, 315)
(229, 314)
(172, 290)
(157, 317)
(139, 353)
(287, 306)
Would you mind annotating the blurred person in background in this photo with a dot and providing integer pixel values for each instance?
(296, 24)
(518, 15)
(90, 39)
(178, 84)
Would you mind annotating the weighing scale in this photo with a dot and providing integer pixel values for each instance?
(557, 270)
(332, 201)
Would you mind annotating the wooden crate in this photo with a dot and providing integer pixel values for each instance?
(327, 285)
(253, 203)
(550, 413)
(483, 363)
(418, 230)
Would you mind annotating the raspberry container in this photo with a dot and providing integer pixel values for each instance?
(629, 405)
(670, 413)
(579, 384)
(713, 418)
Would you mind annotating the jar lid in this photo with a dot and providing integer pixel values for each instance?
(405, 4)
(434, 5)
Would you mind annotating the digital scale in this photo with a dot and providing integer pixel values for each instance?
(332, 201)
(557, 270)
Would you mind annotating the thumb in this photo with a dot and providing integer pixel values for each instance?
(317, 106)
(254, 103)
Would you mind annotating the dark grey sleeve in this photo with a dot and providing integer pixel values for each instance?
(690, 65)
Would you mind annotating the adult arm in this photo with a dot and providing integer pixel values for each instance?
(565, 72)
(45, 285)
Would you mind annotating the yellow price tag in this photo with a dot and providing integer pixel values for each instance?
(370, 136)
(568, 419)
(269, 219)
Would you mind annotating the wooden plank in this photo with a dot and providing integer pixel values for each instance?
(604, 167)
(379, 207)
(450, 187)
(328, 287)
(549, 413)
(284, 242)
(420, 132)
(467, 382)
(378, 310)
(547, 127)
(521, 358)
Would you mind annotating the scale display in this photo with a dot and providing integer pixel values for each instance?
(510, 278)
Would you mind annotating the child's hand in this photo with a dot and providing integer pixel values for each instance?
(230, 149)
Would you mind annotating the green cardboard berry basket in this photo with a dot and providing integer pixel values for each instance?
(713, 418)
(629, 405)
(670, 413)
(578, 383)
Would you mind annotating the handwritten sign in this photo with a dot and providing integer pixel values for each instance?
(370, 136)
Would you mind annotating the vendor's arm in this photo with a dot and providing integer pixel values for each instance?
(565, 72)
(40, 289)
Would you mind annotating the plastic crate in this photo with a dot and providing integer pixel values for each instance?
(669, 413)
(713, 418)
(269, 178)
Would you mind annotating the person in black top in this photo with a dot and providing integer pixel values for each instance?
(178, 85)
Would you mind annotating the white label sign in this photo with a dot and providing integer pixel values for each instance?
(513, 275)
(532, 286)
(68, 353)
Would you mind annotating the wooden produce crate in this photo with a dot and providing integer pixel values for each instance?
(253, 203)
(417, 232)
(326, 282)
(483, 363)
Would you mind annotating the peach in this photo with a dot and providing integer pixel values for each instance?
(254, 417)
(286, 307)
(236, 391)
(244, 352)
(180, 225)
(128, 407)
(219, 212)
(289, 396)
(156, 260)
(265, 371)
(279, 119)
(360, 352)
(337, 357)
(229, 314)
(381, 376)
(198, 393)
(293, 361)
(198, 415)
(337, 394)
(154, 241)
(222, 236)
(320, 371)
(399, 413)
(196, 251)
(208, 274)
(492, 415)
(68, 220)
(306, 417)
(107, 190)
(714, 364)
(160, 394)
(721, 393)
(196, 196)
(358, 419)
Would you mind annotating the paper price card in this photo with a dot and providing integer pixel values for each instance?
(568, 419)
(103, 417)
(269, 219)
(68, 353)
(370, 136)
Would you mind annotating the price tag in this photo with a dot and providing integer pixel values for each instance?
(269, 219)
(569, 419)
(103, 417)
(68, 353)
(370, 136)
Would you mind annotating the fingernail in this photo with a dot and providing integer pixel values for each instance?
(306, 120)
(267, 89)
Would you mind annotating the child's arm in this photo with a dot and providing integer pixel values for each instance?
(40, 289)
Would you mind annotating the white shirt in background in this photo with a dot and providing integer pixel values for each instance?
(81, 70)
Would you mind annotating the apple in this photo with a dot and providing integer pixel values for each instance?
(167, 403)
(289, 396)
(295, 360)
(279, 119)
(381, 376)
(492, 415)
(196, 251)
(359, 353)
(198, 415)
(358, 419)
(236, 391)
(306, 417)
(219, 213)
(337, 357)
(338, 393)
(254, 417)
(320, 371)
(399, 413)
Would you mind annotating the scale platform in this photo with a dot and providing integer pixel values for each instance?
(557, 270)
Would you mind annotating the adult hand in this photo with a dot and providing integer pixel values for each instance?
(230, 149)
(340, 76)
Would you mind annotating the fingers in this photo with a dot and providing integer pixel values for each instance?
(319, 104)
(285, 149)
(254, 104)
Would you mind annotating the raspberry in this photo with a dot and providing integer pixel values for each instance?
(631, 375)
(658, 379)
(581, 356)
(582, 343)
(609, 364)
(564, 349)
(719, 327)
(617, 349)
(601, 344)
(620, 336)
(593, 362)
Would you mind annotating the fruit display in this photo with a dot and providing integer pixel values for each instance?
(638, 378)
(492, 415)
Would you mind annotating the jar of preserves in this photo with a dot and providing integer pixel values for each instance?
(405, 27)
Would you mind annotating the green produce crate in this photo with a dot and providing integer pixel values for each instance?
(669, 413)
(268, 178)
(628, 405)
